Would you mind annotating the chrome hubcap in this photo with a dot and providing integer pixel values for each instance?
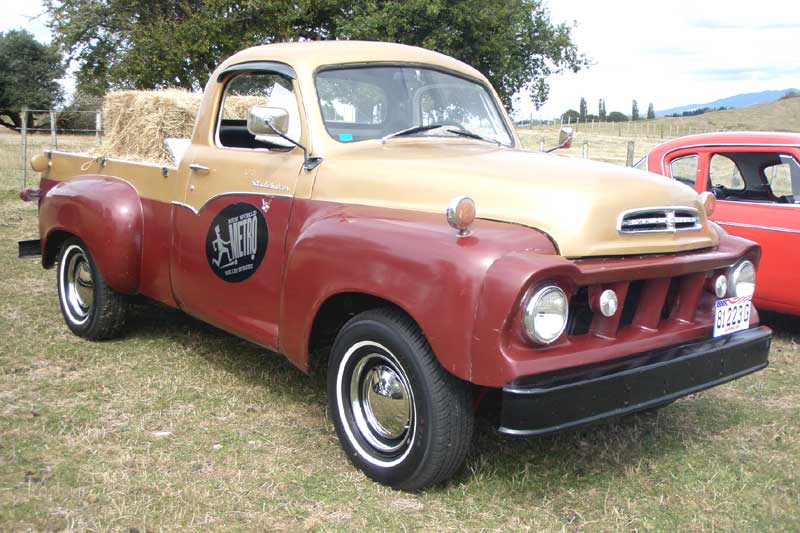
(382, 402)
(386, 403)
(77, 284)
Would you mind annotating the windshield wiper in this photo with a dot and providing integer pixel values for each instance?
(412, 131)
(472, 135)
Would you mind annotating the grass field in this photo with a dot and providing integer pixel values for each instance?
(180, 426)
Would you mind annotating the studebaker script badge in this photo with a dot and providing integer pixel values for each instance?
(269, 185)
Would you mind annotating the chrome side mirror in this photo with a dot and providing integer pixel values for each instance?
(564, 139)
(264, 120)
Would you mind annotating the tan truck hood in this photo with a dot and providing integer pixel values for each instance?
(576, 202)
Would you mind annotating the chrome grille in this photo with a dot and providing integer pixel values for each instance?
(658, 220)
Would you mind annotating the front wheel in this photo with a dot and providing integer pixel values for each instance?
(400, 417)
(91, 308)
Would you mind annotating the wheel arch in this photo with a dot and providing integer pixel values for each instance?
(52, 245)
(106, 214)
(333, 313)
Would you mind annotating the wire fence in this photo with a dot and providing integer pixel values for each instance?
(82, 131)
(41, 130)
(656, 128)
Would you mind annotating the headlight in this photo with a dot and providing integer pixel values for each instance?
(743, 279)
(545, 314)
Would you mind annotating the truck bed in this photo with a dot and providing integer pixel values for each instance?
(150, 179)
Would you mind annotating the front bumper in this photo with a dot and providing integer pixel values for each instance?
(563, 400)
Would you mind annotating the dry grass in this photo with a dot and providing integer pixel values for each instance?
(180, 426)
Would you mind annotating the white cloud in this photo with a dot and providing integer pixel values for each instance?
(674, 53)
(25, 14)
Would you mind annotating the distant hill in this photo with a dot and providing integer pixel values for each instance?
(737, 101)
(783, 115)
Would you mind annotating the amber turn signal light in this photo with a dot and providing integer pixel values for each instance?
(461, 214)
(709, 202)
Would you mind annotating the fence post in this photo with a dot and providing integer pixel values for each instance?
(53, 135)
(541, 144)
(98, 126)
(629, 155)
(24, 133)
(586, 149)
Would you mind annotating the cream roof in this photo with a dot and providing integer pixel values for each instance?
(307, 56)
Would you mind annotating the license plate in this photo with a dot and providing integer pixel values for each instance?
(731, 315)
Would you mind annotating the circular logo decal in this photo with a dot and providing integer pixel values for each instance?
(236, 242)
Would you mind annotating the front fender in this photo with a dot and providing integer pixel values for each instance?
(412, 259)
(106, 213)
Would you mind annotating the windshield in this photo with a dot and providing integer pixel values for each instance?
(363, 103)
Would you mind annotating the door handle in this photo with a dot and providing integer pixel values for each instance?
(198, 168)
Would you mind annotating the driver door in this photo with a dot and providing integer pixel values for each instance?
(230, 225)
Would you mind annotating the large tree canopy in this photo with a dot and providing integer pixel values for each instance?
(29, 72)
(146, 44)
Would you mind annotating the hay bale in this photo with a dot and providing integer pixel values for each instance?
(236, 106)
(137, 123)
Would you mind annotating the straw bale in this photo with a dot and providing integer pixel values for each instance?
(137, 123)
(236, 106)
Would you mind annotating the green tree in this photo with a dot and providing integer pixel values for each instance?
(29, 73)
(634, 111)
(616, 116)
(601, 109)
(570, 116)
(651, 113)
(583, 110)
(144, 44)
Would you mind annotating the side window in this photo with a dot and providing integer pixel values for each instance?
(353, 110)
(246, 90)
(723, 171)
(779, 176)
(684, 169)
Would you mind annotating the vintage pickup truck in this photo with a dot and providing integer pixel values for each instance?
(374, 207)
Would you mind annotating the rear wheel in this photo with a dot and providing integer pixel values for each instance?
(91, 308)
(401, 418)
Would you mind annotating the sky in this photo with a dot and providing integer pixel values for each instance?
(670, 53)
(674, 52)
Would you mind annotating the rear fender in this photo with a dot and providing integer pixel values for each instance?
(103, 211)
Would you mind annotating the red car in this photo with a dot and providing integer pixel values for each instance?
(755, 177)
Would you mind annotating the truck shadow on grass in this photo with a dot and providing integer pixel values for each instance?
(605, 449)
(783, 326)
